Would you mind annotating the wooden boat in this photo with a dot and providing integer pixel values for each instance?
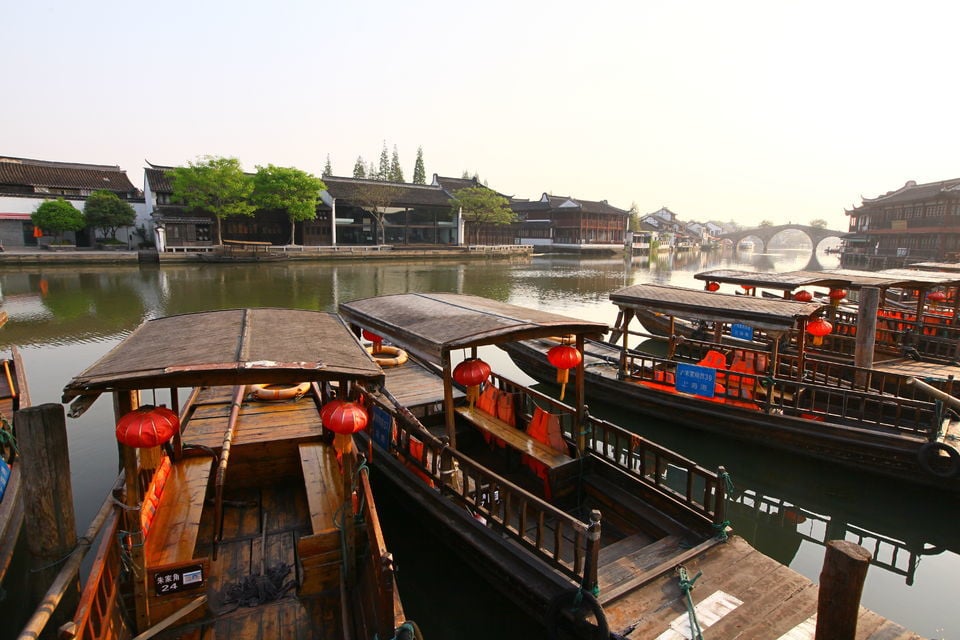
(583, 524)
(925, 333)
(14, 396)
(864, 418)
(243, 251)
(245, 524)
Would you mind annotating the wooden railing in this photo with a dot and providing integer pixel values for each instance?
(98, 613)
(389, 616)
(827, 391)
(696, 488)
(549, 533)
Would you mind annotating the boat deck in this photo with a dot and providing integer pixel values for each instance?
(741, 594)
(926, 371)
(414, 386)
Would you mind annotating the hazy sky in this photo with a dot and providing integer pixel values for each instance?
(786, 111)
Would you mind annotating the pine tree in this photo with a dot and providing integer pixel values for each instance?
(384, 172)
(396, 173)
(419, 174)
(327, 169)
(358, 169)
(372, 172)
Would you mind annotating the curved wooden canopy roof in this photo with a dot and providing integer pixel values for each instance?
(833, 278)
(230, 347)
(770, 314)
(430, 324)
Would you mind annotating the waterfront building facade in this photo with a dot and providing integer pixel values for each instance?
(915, 223)
(562, 223)
(26, 183)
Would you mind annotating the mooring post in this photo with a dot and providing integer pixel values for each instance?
(866, 332)
(49, 522)
(841, 585)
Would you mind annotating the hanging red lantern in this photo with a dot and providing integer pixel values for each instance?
(148, 426)
(374, 338)
(936, 297)
(818, 328)
(471, 373)
(343, 417)
(836, 295)
(564, 357)
(712, 286)
(803, 296)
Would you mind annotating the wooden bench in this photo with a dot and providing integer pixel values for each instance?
(515, 438)
(174, 575)
(320, 553)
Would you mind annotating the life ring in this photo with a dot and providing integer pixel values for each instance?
(935, 464)
(276, 392)
(388, 356)
(576, 598)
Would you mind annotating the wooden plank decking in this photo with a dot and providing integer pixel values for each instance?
(740, 593)
(414, 386)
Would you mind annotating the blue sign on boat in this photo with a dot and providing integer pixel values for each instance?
(697, 380)
(4, 476)
(382, 428)
(741, 331)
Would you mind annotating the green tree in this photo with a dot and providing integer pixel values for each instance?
(396, 173)
(359, 170)
(106, 212)
(634, 217)
(818, 223)
(375, 199)
(58, 216)
(290, 189)
(481, 206)
(383, 173)
(372, 172)
(419, 173)
(766, 223)
(214, 185)
(327, 169)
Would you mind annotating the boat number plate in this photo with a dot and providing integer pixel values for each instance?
(741, 331)
(167, 581)
(699, 381)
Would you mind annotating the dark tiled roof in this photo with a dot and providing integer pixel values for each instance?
(63, 175)
(157, 178)
(912, 192)
(401, 194)
(455, 184)
(587, 206)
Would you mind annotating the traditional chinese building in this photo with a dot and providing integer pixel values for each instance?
(565, 223)
(915, 223)
(25, 184)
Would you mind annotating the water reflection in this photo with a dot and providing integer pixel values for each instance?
(65, 318)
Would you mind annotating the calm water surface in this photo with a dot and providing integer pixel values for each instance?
(63, 319)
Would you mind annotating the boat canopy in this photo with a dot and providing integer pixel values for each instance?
(431, 324)
(230, 347)
(832, 278)
(769, 314)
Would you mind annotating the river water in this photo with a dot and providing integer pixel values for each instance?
(64, 318)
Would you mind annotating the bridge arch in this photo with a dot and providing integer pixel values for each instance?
(765, 234)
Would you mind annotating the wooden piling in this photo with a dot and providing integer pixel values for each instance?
(866, 331)
(49, 521)
(841, 585)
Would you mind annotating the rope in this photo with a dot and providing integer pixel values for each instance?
(722, 530)
(728, 483)
(406, 631)
(82, 541)
(686, 586)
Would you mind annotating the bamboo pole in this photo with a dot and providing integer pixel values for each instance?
(236, 403)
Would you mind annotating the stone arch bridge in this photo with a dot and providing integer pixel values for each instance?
(765, 234)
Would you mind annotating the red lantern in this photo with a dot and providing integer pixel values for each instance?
(471, 373)
(748, 289)
(712, 286)
(343, 417)
(564, 357)
(803, 296)
(818, 328)
(836, 295)
(936, 297)
(147, 427)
